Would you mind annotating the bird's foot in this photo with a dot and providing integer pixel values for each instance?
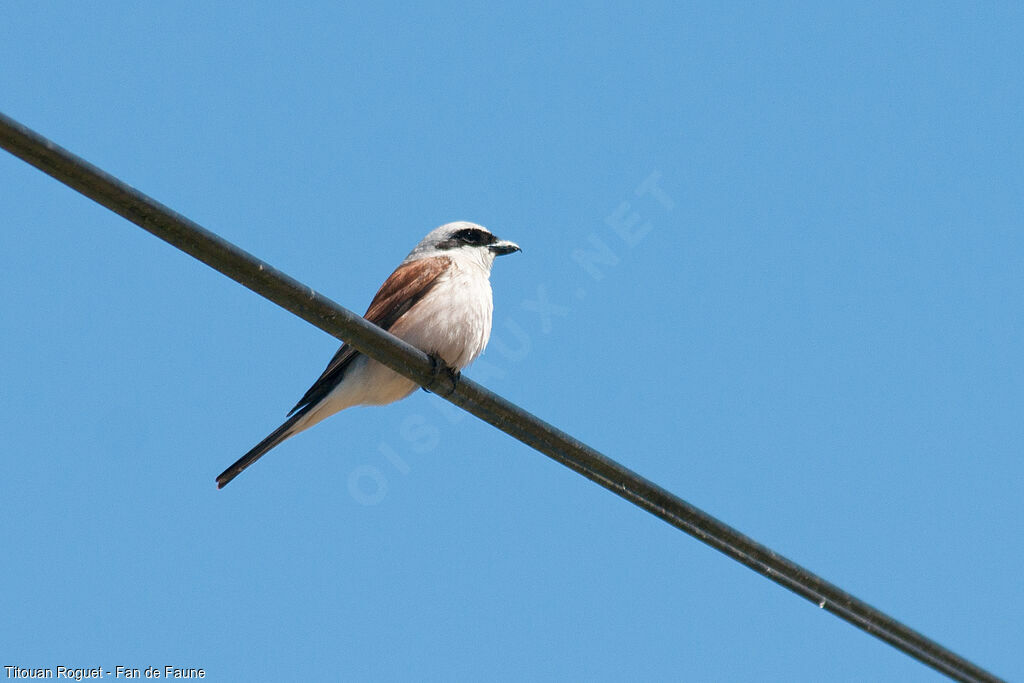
(438, 370)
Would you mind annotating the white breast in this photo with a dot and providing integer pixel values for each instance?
(454, 319)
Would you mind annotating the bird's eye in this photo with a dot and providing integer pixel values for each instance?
(474, 236)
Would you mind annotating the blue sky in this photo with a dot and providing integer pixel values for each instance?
(815, 335)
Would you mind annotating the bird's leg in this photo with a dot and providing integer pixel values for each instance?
(437, 368)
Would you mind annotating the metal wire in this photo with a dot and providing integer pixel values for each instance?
(474, 398)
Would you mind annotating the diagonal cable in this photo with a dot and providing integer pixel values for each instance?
(380, 345)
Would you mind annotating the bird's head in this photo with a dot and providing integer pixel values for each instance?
(463, 241)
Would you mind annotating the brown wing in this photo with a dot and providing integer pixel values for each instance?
(407, 285)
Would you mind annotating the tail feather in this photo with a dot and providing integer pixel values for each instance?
(259, 450)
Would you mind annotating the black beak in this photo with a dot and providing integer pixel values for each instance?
(502, 247)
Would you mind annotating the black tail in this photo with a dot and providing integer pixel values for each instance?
(276, 437)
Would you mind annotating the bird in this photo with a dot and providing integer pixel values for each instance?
(438, 299)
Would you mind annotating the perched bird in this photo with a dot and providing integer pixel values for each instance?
(438, 300)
